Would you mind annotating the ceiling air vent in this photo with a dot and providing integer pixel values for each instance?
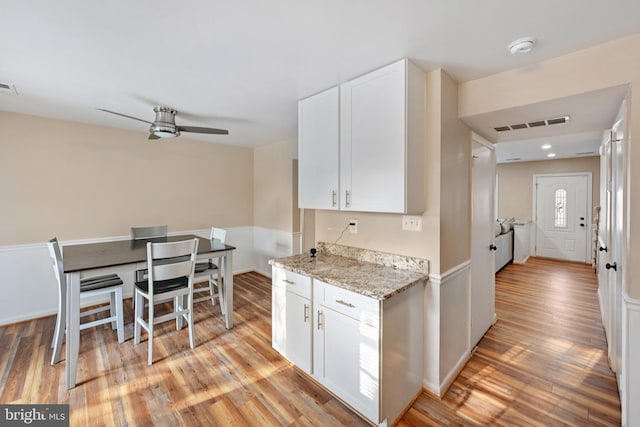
(586, 153)
(514, 159)
(558, 120)
(536, 124)
(533, 124)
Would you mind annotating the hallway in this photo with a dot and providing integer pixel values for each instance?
(544, 362)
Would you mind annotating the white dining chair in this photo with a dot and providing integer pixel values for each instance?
(208, 277)
(89, 287)
(141, 233)
(170, 276)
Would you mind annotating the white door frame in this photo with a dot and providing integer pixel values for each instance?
(534, 240)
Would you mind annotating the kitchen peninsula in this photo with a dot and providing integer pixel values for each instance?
(352, 319)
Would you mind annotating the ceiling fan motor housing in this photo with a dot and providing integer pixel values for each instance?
(164, 124)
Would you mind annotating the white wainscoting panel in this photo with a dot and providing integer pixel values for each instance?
(269, 244)
(447, 327)
(630, 378)
(30, 290)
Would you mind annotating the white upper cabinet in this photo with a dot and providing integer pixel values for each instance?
(318, 150)
(381, 143)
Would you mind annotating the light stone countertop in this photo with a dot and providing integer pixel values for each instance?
(373, 280)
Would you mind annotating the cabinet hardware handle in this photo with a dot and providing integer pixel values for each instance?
(288, 282)
(306, 313)
(602, 248)
(492, 247)
(339, 301)
(613, 265)
(334, 200)
(319, 320)
(347, 198)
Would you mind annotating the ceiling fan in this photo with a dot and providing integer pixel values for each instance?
(164, 125)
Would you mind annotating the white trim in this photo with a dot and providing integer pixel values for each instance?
(630, 373)
(534, 221)
(482, 141)
(438, 279)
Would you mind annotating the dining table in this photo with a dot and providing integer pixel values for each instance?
(82, 259)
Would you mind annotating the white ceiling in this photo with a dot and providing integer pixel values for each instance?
(242, 65)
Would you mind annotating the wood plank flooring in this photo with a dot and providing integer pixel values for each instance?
(543, 363)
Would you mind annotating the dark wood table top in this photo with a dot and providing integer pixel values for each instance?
(119, 252)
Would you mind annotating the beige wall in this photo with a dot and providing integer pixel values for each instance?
(515, 183)
(445, 235)
(73, 181)
(274, 186)
(610, 64)
(455, 182)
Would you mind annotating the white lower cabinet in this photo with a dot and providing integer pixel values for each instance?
(346, 353)
(377, 378)
(291, 317)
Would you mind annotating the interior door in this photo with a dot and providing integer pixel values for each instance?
(482, 241)
(616, 247)
(562, 216)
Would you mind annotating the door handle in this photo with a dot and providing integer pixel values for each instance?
(602, 249)
(493, 247)
(612, 266)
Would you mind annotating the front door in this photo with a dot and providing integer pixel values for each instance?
(562, 216)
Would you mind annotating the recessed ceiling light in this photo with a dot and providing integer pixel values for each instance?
(522, 45)
(551, 155)
(546, 146)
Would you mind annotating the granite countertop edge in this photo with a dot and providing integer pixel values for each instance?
(369, 279)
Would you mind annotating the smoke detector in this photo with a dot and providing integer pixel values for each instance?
(522, 45)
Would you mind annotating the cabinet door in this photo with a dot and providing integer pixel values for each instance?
(346, 360)
(318, 150)
(372, 141)
(291, 327)
(298, 331)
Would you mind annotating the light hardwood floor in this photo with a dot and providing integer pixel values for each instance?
(543, 363)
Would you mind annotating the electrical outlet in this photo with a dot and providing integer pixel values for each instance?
(353, 226)
(411, 223)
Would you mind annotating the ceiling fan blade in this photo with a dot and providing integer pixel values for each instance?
(153, 136)
(202, 130)
(124, 115)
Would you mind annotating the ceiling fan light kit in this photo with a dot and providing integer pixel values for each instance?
(164, 125)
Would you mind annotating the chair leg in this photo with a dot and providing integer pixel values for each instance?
(178, 303)
(139, 306)
(221, 297)
(151, 318)
(119, 314)
(113, 310)
(58, 333)
(190, 320)
(212, 291)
